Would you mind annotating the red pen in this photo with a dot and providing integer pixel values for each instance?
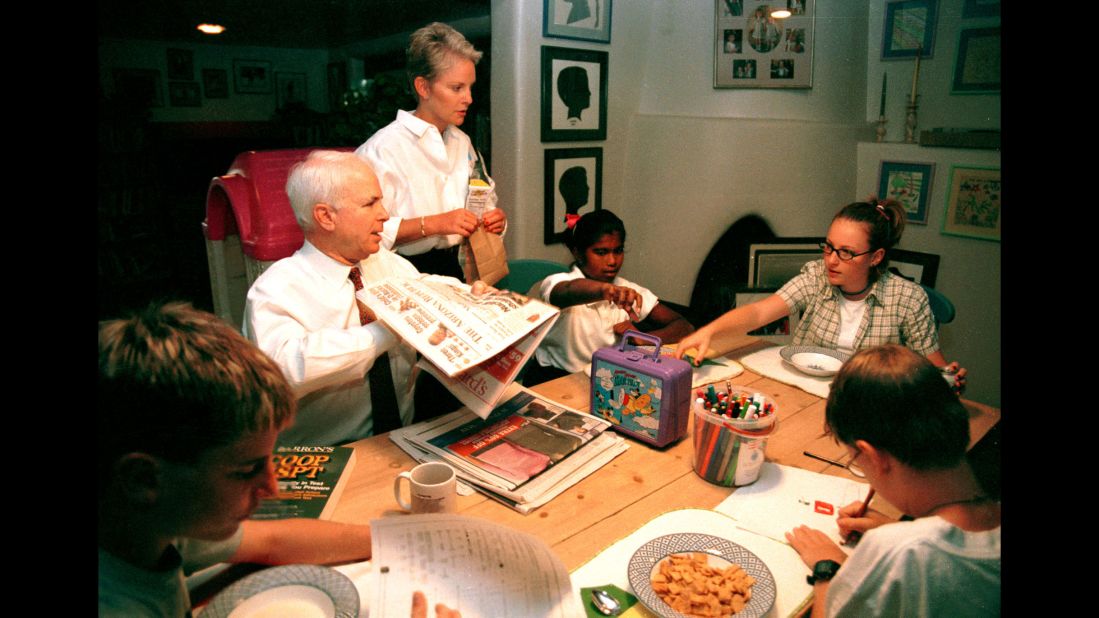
(855, 535)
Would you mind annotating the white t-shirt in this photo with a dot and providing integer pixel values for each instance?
(583, 329)
(927, 567)
(850, 318)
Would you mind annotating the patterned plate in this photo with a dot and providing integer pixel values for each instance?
(646, 557)
(814, 360)
(292, 590)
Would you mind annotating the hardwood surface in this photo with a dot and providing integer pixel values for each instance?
(632, 489)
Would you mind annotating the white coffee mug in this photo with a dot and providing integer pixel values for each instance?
(433, 487)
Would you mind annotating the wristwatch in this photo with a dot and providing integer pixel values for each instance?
(823, 571)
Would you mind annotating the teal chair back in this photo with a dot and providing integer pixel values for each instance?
(524, 273)
(941, 307)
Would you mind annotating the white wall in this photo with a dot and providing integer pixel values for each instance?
(969, 269)
(128, 54)
(683, 160)
(936, 106)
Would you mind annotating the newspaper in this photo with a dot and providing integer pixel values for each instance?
(474, 345)
(474, 566)
(528, 450)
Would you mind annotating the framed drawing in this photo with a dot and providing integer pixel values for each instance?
(215, 83)
(923, 268)
(181, 64)
(909, 184)
(574, 187)
(909, 26)
(139, 87)
(773, 263)
(753, 49)
(290, 89)
(583, 20)
(977, 67)
(781, 331)
(252, 76)
(973, 203)
(184, 94)
(569, 111)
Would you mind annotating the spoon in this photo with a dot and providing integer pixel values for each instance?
(605, 603)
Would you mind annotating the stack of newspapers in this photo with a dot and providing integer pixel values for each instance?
(523, 454)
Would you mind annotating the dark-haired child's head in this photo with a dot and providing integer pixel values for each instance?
(597, 243)
(188, 412)
(897, 401)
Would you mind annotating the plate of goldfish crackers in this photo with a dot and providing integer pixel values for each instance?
(693, 574)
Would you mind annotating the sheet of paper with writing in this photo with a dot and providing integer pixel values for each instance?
(469, 564)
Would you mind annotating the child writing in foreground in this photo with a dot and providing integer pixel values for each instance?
(597, 305)
(907, 434)
(188, 412)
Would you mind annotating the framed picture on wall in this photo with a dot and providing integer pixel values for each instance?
(574, 94)
(574, 187)
(290, 89)
(181, 64)
(139, 87)
(923, 268)
(977, 67)
(973, 203)
(909, 184)
(584, 20)
(252, 77)
(215, 83)
(754, 48)
(909, 27)
(184, 94)
(781, 331)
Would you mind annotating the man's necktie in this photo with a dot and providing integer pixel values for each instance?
(383, 396)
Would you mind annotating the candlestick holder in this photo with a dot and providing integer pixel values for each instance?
(881, 128)
(910, 121)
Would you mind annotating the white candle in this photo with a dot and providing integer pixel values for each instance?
(916, 74)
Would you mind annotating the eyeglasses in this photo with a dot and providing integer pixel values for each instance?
(844, 254)
(854, 468)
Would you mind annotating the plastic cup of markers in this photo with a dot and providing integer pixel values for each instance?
(729, 451)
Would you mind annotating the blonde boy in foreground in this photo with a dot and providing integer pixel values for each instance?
(188, 413)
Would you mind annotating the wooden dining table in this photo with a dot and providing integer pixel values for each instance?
(638, 485)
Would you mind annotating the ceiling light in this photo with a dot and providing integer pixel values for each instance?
(780, 13)
(211, 28)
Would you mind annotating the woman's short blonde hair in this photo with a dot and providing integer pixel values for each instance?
(430, 49)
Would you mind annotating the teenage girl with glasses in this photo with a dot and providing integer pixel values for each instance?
(847, 299)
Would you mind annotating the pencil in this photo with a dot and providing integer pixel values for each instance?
(824, 459)
(855, 535)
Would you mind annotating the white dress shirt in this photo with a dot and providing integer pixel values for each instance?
(422, 173)
(301, 312)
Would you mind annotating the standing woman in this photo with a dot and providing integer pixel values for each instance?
(848, 300)
(423, 160)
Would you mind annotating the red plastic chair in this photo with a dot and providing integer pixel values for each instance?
(248, 205)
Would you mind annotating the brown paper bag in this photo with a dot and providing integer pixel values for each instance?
(486, 258)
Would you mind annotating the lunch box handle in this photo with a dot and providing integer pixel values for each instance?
(640, 335)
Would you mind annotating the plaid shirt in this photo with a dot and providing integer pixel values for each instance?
(897, 311)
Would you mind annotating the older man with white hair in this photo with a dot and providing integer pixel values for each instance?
(303, 313)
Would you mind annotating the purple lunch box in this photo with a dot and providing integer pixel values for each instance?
(643, 395)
